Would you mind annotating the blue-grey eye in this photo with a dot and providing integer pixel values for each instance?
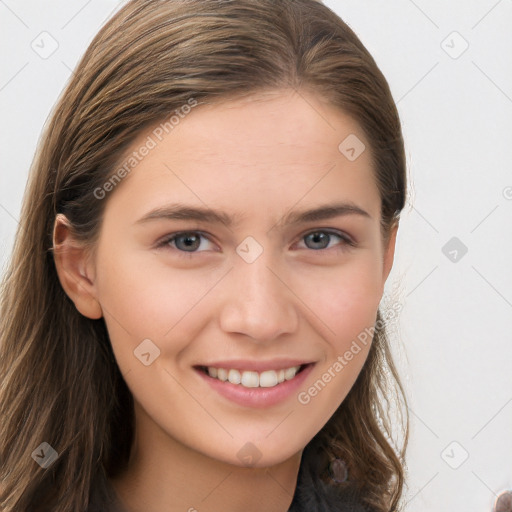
(187, 241)
(320, 239)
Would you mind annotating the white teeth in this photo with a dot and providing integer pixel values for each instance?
(289, 373)
(268, 379)
(234, 377)
(221, 374)
(252, 379)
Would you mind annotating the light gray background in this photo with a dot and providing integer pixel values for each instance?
(456, 108)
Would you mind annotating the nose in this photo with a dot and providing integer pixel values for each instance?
(257, 302)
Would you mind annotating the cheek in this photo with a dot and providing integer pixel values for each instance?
(142, 301)
(344, 300)
(353, 308)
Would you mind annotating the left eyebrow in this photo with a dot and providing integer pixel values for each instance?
(189, 212)
(185, 212)
(325, 212)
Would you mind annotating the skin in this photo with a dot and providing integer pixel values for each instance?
(257, 159)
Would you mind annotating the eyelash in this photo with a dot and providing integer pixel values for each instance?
(347, 242)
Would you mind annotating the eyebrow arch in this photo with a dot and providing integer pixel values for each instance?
(325, 212)
(210, 215)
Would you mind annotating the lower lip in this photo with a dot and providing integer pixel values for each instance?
(257, 397)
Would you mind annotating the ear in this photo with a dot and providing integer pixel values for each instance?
(74, 268)
(389, 252)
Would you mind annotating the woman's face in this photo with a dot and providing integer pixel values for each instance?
(207, 259)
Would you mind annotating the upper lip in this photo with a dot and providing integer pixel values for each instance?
(257, 366)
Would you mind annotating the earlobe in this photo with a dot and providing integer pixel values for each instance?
(75, 271)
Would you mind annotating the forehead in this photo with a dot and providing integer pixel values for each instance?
(283, 125)
(269, 148)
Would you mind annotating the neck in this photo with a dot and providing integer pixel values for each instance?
(163, 475)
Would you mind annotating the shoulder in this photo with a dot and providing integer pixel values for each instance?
(313, 494)
(321, 497)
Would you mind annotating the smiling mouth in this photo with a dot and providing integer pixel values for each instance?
(253, 379)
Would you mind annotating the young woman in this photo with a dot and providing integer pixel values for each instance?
(190, 319)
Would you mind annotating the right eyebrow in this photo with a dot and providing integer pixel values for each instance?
(183, 212)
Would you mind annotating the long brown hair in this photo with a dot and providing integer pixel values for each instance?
(59, 380)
